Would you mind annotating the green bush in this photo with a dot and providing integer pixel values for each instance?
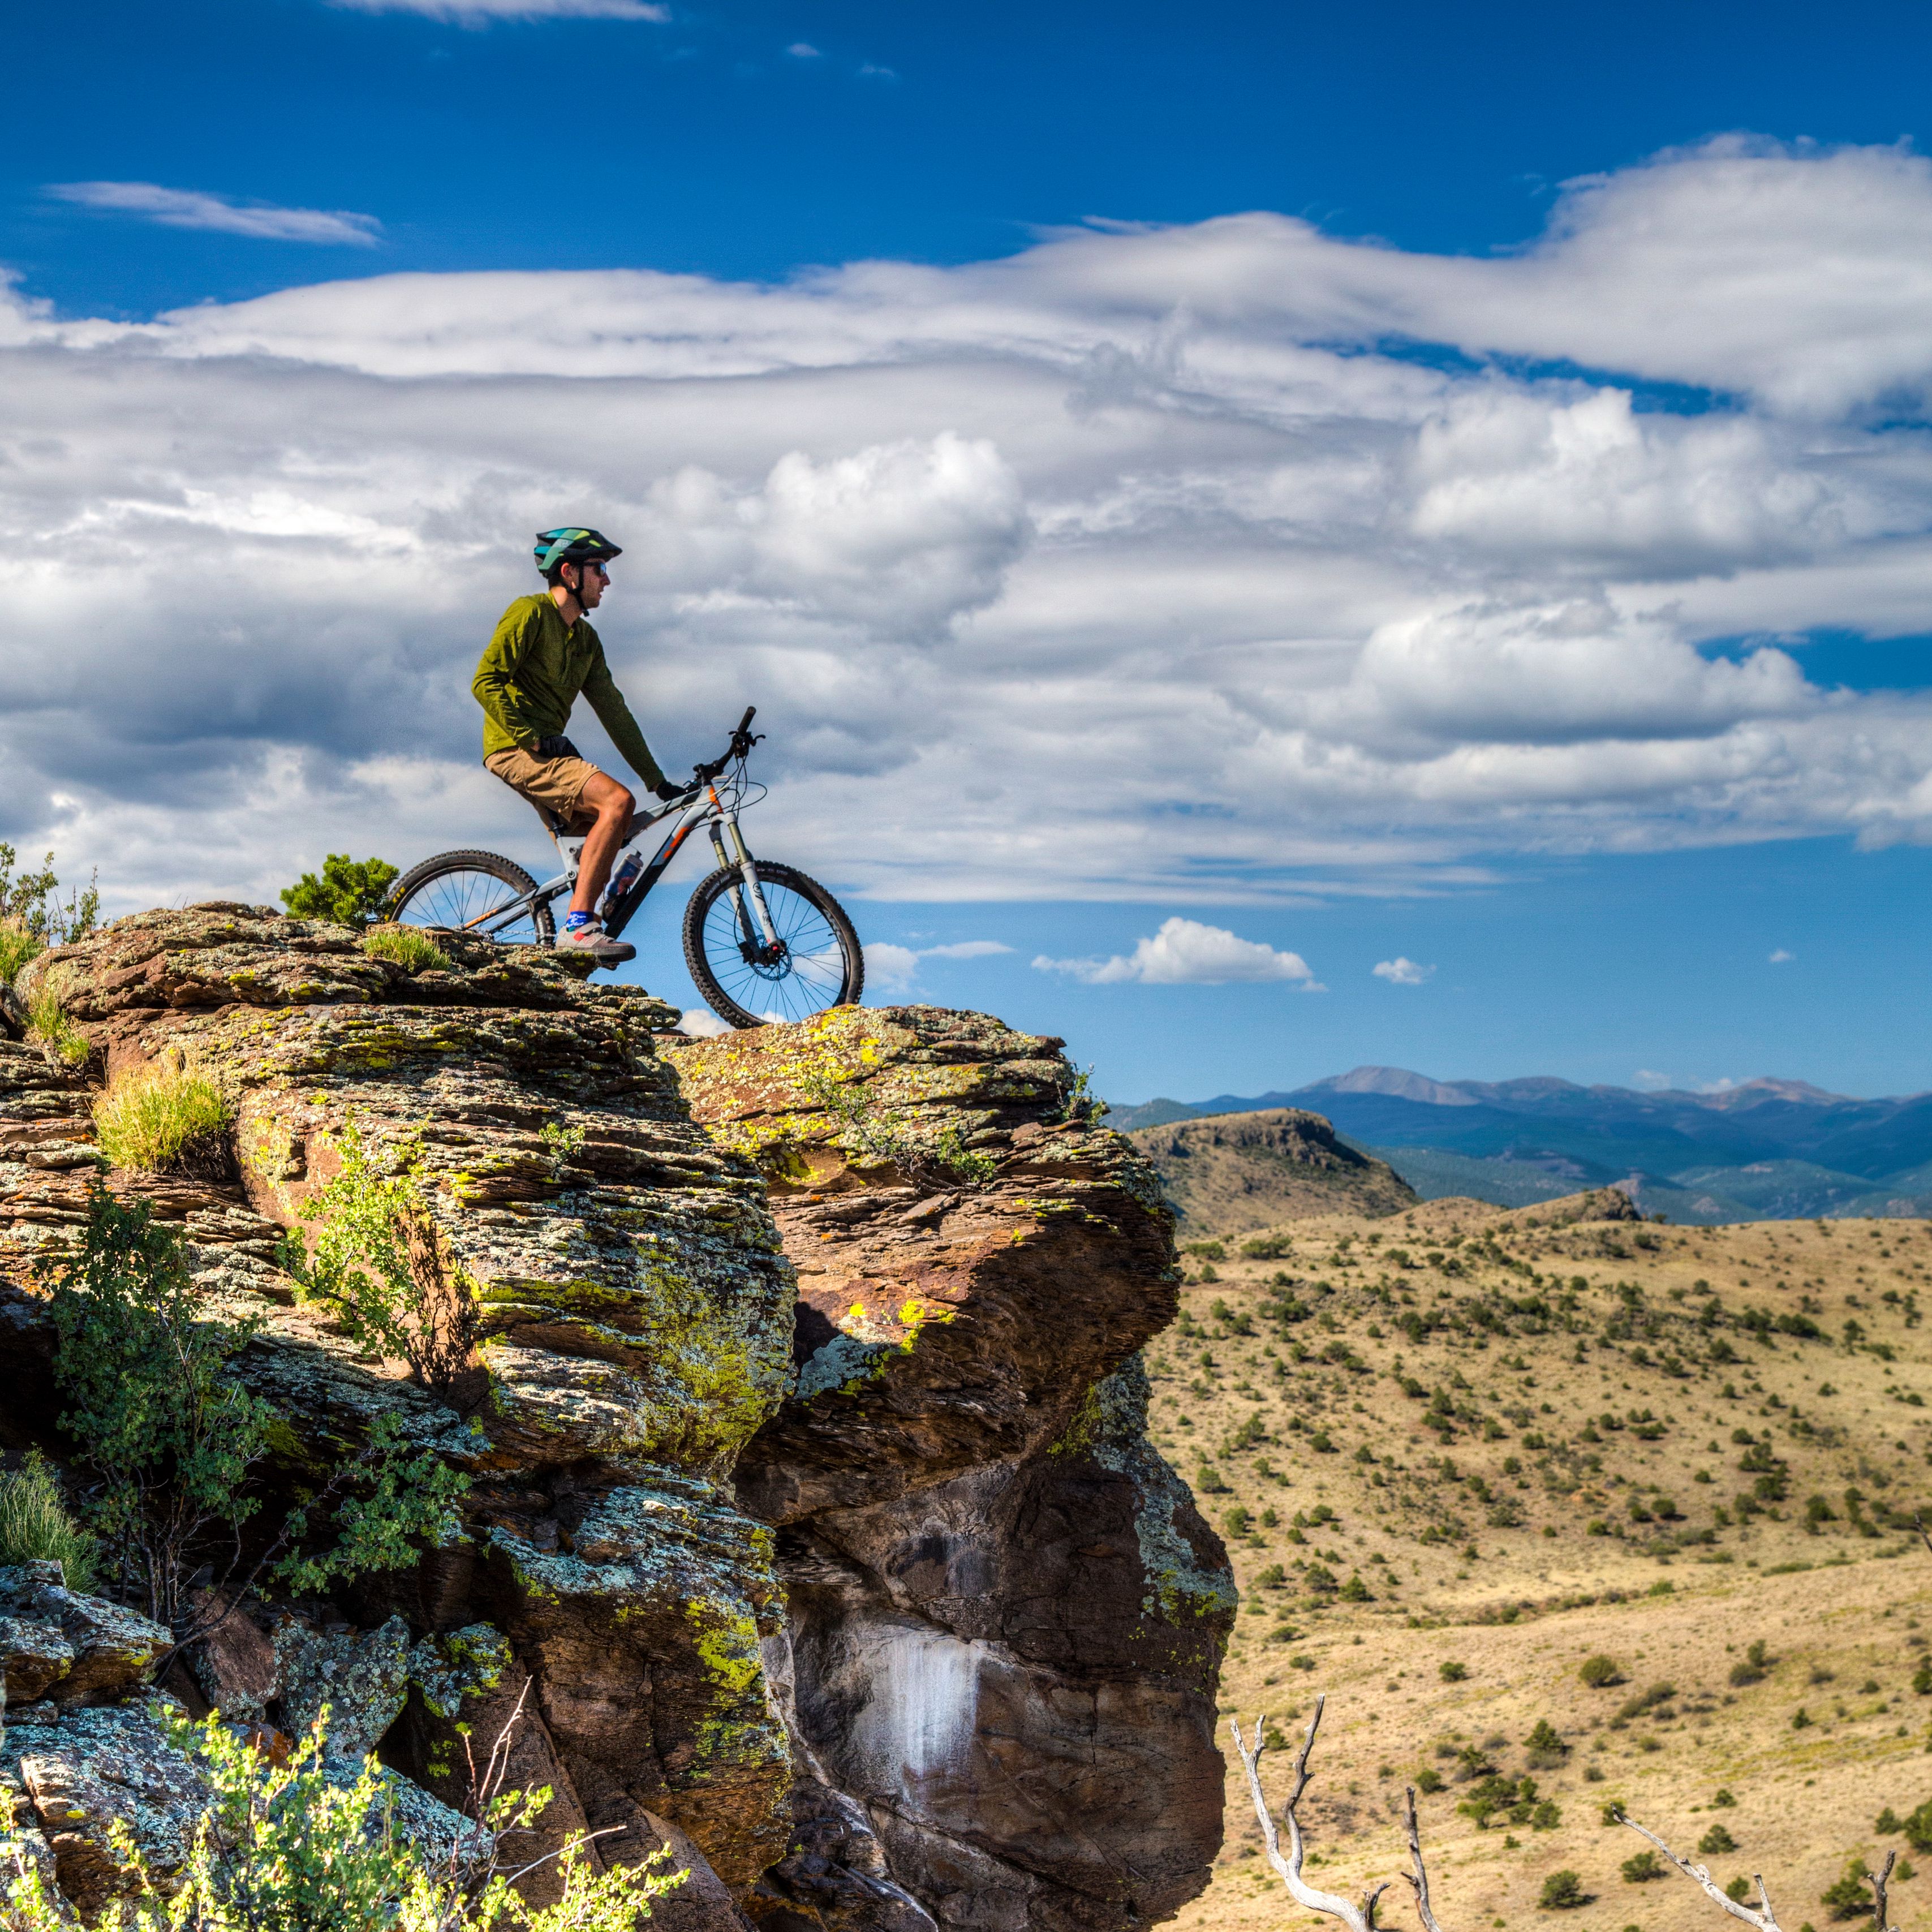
(1739, 1889)
(172, 1437)
(159, 1120)
(1562, 1890)
(403, 945)
(36, 1527)
(1208, 1480)
(1642, 1869)
(1717, 1839)
(379, 1261)
(351, 892)
(1266, 1247)
(1546, 1749)
(1600, 1672)
(291, 1845)
(1850, 1896)
(1453, 1672)
(168, 1432)
(1918, 1829)
(1206, 1251)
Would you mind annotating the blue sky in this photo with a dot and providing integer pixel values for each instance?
(1473, 514)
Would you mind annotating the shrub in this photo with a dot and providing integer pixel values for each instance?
(1239, 1520)
(405, 947)
(292, 1844)
(1600, 1672)
(350, 891)
(171, 1436)
(1642, 1869)
(168, 1433)
(1454, 1672)
(160, 1120)
(1321, 1442)
(1722, 1801)
(1918, 1828)
(1266, 1247)
(1850, 1897)
(1562, 1892)
(1887, 1822)
(379, 1259)
(1921, 1677)
(1546, 1749)
(1738, 1889)
(35, 1526)
(1206, 1251)
(1801, 1719)
(1428, 1781)
(1207, 1479)
(1715, 1840)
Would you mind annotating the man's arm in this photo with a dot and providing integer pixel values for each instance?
(614, 715)
(495, 686)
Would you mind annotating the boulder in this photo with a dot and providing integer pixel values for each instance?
(111, 1650)
(361, 1681)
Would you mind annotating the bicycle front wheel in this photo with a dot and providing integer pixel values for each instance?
(476, 893)
(811, 961)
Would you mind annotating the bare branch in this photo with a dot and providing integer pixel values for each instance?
(1418, 1880)
(1764, 1920)
(1357, 1918)
(1879, 1881)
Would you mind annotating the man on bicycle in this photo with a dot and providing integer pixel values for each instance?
(543, 655)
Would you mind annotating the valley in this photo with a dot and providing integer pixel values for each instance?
(1457, 1452)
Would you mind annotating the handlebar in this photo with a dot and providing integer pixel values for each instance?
(742, 740)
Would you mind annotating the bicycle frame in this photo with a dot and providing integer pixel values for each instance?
(718, 817)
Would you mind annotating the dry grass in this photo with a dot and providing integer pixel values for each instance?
(163, 1119)
(403, 945)
(1491, 1563)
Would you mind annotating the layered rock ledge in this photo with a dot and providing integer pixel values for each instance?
(811, 1500)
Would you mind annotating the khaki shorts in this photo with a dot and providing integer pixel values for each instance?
(554, 785)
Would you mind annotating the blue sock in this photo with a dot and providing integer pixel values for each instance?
(573, 921)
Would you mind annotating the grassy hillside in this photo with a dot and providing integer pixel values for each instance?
(1457, 1452)
(1231, 1172)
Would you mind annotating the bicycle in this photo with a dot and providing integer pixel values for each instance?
(754, 930)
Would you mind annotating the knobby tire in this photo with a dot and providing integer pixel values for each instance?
(808, 982)
(456, 904)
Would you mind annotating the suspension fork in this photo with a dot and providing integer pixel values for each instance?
(740, 859)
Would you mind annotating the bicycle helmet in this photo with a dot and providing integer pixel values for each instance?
(572, 546)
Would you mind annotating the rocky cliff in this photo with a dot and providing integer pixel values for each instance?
(811, 1510)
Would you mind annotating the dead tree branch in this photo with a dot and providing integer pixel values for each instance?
(1417, 1881)
(1357, 1918)
(1763, 1920)
(1879, 1881)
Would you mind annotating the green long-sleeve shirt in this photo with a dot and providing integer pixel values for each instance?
(531, 674)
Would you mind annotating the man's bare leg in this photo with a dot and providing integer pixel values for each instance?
(613, 806)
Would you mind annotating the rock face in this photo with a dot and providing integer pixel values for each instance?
(1006, 1616)
(1229, 1174)
(871, 1599)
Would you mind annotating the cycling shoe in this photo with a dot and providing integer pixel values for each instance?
(592, 939)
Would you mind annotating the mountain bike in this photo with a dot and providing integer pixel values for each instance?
(763, 941)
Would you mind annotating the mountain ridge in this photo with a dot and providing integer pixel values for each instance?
(1767, 1148)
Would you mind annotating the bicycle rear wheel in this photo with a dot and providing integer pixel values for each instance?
(476, 893)
(817, 962)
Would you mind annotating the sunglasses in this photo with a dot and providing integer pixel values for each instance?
(600, 570)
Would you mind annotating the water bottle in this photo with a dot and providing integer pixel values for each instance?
(621, 880)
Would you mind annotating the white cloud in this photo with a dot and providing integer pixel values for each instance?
(1184, 953)
(181, 208)
(872, 73)
(1401, 971)
(804, 50)
(481, 12)
(701, 1023)
(1781, 957)
(1137, 565)
(1647, 1080)
(895, 969)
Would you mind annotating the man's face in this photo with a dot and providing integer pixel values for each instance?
(592, 579)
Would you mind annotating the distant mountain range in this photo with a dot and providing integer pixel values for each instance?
(1768, 1149)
